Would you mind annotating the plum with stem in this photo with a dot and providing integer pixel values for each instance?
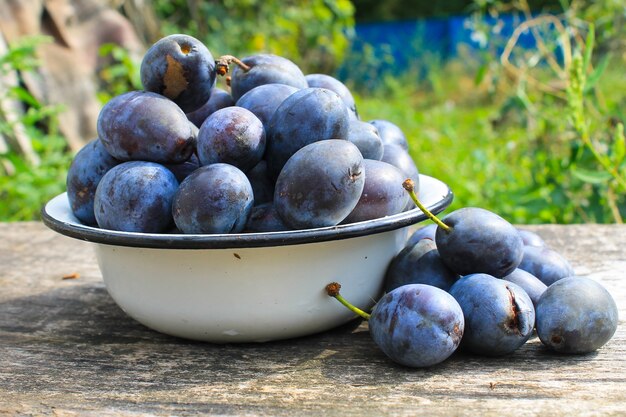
(414, 325)
(474, 240)
(263, 69)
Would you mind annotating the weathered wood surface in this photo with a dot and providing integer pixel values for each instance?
(67, 349)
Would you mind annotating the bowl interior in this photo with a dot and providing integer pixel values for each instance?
(57, 215)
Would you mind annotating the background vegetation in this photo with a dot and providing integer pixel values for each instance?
(27, 182)
(534, 134)
(391, 10)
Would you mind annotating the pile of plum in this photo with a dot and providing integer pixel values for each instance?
(280, 151)
(285, 151)
(474, 281)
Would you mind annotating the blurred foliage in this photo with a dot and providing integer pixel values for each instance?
(558, 90)
(393, 10)
(609, 19)
(21, 55)
(607, 16)
(121, 75)
(517, 165)
(25, 186)
(313, 33)
(389, 10)
(536, 134)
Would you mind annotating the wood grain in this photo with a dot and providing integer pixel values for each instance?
(67, 349)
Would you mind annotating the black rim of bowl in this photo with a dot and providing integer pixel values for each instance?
(242, 240)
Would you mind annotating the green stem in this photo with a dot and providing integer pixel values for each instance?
(332, 290)
(409, 185)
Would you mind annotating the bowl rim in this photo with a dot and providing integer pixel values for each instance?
(69, 226)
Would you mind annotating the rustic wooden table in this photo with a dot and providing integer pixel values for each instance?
(67, 349)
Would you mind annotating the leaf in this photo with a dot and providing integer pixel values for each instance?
(591, 177)
(25, 96)
(106, 49)
(589, 43)
(596, 74)
(480, 74)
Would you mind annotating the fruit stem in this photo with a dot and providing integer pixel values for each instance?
(409, 185)
(332, 290)
(222, 64)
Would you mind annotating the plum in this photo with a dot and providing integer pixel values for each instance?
(417, 325)
(479, 241)
(320, 184)
(146, 126)
(184, 169)
(499, 315)
(419, 264)
(265, 218)
(382, 194)
(215, 198)
(87, 169)
(531, 238)
(265, 69)
(262, 184)
(530, 283)
(546, 264)
(400, 158)
(424, 232)
(308, 115)
(231, 135)
(333, 84)
(265, 99)
(390, 133)
(219, 99)
(136, 196)
(181, 68)
(576, 315)
(365, 136)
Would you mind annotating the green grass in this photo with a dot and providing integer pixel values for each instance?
(496, 152)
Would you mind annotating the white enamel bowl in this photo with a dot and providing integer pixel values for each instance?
(247, 287)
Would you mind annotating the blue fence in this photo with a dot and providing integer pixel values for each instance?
(405, 44)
